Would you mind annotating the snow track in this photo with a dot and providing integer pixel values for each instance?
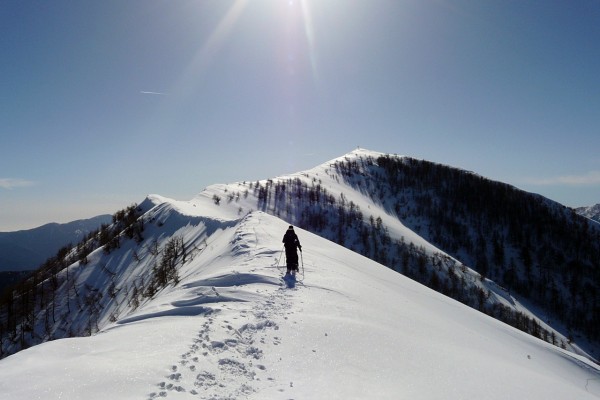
(224, 358)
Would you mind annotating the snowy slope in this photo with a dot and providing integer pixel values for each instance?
(348, 329)
(243, 197)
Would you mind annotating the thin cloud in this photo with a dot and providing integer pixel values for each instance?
(152, 93)
(591, 178)
(10, 183)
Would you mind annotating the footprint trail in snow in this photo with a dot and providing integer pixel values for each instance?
(224, 359)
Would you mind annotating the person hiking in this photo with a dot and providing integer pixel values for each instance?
(291, 242)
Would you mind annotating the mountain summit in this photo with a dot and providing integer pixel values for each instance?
(185, 299)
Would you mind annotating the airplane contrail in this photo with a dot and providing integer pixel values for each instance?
(153, 93)
(10, 183)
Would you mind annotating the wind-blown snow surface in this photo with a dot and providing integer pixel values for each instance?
(349, 328)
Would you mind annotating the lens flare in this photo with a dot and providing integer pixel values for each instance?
(209, 49)
(309, 35)
(300, 36)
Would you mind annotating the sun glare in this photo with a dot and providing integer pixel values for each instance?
(297, 52)
(309, 34)
(210, 47)
(298, 14)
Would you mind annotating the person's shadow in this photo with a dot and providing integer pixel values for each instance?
(290, 280)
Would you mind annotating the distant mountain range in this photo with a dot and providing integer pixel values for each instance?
(27, 249)
(592, 212)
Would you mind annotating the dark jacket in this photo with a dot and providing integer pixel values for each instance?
(290, 240)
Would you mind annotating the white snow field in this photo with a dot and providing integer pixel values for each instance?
(349, 328)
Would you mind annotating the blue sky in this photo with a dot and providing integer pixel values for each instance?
(104, 102)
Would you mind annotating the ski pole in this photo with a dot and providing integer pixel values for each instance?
(279, 259)
(302, 259)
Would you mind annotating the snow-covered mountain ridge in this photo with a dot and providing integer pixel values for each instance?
(348, 329)
(187, 302)
(451, 230)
